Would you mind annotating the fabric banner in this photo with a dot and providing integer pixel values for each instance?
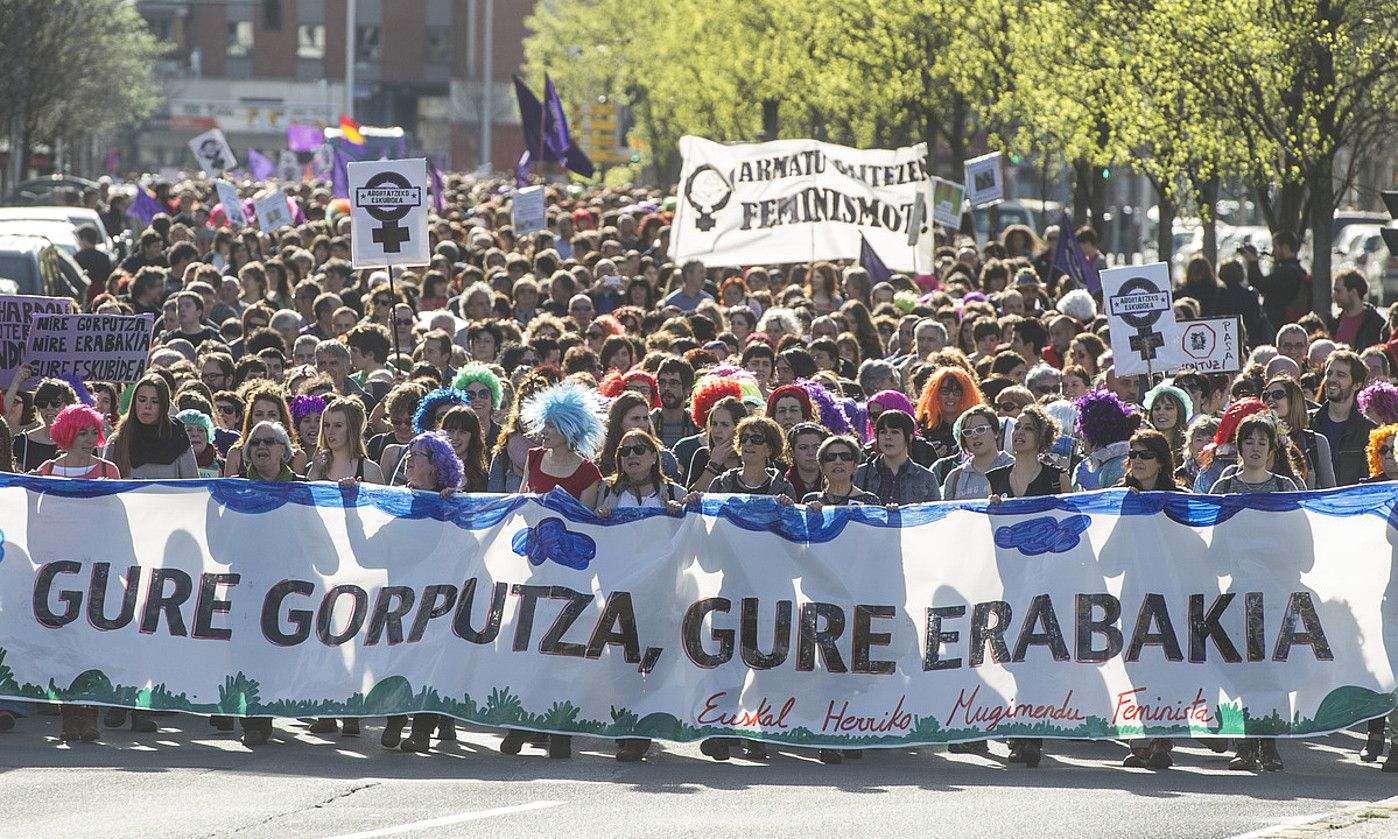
(800, 200)
(1102, 615)
(17, 313)
(93, 348)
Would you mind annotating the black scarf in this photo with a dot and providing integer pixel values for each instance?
(149, 445)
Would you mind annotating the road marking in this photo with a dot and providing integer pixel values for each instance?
(450, 820)
(1294, 821)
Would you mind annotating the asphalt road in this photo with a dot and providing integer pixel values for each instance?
(190, 781)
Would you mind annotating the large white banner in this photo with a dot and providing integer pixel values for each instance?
(1090, 616)
(799, 200)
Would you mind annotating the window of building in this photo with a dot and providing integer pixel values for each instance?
(272, 15)
(240, 38)
(310, 41)
(438, 48)
(368, 45)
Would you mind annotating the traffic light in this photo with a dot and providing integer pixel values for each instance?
(1390, 231)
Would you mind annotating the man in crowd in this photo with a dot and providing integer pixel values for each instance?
(1359, 324)
(1344, 427)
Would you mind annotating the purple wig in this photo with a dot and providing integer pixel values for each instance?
(1104, 419)
(1379, 402)
(889, 400)
(438, 449)
(832, 415)
(304, 406)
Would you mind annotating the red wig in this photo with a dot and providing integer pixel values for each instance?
(795, 392)
(72, 420)
(611, 384)
(638, 376)
(611, 325)
(1236, 413)
(929, 406)
(707, 394)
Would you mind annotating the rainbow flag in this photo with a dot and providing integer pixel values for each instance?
(349, 129)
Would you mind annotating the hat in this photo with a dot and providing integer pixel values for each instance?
(1027, 278)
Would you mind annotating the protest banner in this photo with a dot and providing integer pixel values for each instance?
(388, 205)
(798, 200)
(212, 151)
(93, 348)
(1209, 345)
(984, 181)
(232, 205)
(1103, 615)
(272, 211)
(1140, 318)
(288, 166)
(17, 313)
(527, 210)
(947, 201)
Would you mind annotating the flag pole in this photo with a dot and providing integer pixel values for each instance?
(393, 315)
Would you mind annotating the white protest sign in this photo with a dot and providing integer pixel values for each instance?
(212, 151)
(746, 203)
(947, 198)
(388, 205)
(232, 205)
(1141, 318)
(288, 166)
(104, 348)
(1209, 345)
(17, 314)
(272, 212)
(527, 210)
(984, 183)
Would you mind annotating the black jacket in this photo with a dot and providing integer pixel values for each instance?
(1370, 329)
(1280, 289)
(1351, 461)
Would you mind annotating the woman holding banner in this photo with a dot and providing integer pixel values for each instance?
(264, 402)
(33, 447)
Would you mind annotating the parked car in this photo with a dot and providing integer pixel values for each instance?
(75, 216)
(37, 266)
(61, 233)
(40, 191)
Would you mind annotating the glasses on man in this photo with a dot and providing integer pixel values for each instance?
(637, 449)
(1141, 454)
(226, 409)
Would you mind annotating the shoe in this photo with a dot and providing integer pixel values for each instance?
(831, 756)
(975, 747)
(141, 723)
(631, 751)
(1016, 754)
(1137, 759)
(221, 723)
(417, 742)
(1217, 745)
(324, 725)
(446, 730)
(1373, 746)
(560, 746)
(1270, 757)
(513, 741)
(1032, 756)
(1390, 763)
(715, 747)
(7, 721)
(70, 723)
(1246, 759)
(256, 736)
(114, 717)
(1160, 759)
(392, 732)
(755, 749)
(349, 728)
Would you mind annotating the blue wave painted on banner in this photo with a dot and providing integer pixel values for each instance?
(1044, 534)
(551, 539)
(753, 513)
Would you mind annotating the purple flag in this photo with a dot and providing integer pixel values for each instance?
(870, 262)
(546, 137)
(438, 187)
(303, 137)
(531, 119)
(526, 162)
(260, 167)
(1069, 258)
(339, 179)
(555, 122)
(144, 207)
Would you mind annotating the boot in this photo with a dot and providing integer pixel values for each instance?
(324, 725)
(349, 728)
(560, 746)
(715, 747)
(1246, 758)
(1159, 757)
(141, 723)
(1033, 752)
(114, 718)
(256, 731)
(1373, 746)
(420, 740)
(393, 732)
(830, 757)
(70, 714)
(7, 721)
(513, 741)
(446, 729)
(1390, 763)
(975, 747)
(1137, 759)
(1269, 757)
(755, 749)
(221, 723)
(631, 751)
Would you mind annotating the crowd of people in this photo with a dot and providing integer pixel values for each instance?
(581, 358)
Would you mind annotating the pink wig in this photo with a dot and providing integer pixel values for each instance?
(1379, 402)
(72, 420)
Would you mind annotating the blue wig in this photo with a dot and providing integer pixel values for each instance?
(573, 409)
(438, 449)
(427, 408)
(480, 374)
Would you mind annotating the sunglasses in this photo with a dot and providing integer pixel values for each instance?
(1141, 454)
(831, 457)
(977, 431)
(264, 441)
(478, 393)
(638, 450)
(753, 440)
(227, 409)
(1274, 395)
(49, 403)
(1008, 406)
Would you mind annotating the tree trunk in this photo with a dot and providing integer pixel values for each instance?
(1165, 230)
(1322, 229)
(1208, 196)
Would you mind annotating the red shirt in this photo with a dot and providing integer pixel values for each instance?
(583, 477)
